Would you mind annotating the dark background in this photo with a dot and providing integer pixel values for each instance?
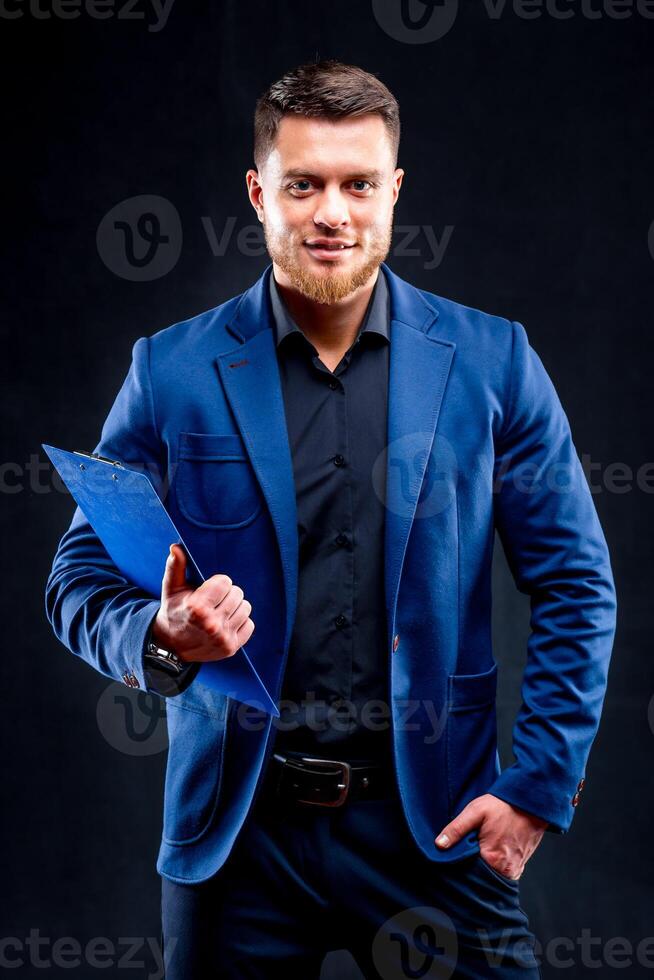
(531, 140)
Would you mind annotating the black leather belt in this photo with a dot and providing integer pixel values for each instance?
(324, 782)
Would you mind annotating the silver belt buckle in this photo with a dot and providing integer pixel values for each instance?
(343, 786)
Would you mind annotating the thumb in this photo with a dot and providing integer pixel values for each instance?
(174, 577)
(468, 819)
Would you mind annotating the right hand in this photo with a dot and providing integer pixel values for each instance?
(208, 623)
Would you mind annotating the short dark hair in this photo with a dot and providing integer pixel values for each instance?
(324, 88)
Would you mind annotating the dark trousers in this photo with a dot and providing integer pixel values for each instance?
(302, 880)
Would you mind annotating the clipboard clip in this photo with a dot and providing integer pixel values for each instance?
(102, 459)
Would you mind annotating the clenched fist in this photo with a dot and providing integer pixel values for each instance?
(208, 623)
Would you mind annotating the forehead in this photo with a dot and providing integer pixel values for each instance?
(329, 146)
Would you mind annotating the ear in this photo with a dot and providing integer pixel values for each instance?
(397, 183)
(255, 191)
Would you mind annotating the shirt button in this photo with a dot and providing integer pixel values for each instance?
(339, 460)
(333, 384)
(396, 642)
(340, 620)
(341, 539)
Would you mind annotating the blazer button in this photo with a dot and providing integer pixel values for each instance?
(581, 784)
(126, 678)
(134, 680)
(575, 799)
(396, 642)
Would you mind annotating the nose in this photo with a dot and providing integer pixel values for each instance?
(332, 211)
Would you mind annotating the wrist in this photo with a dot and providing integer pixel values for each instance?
(160, 649)
(160, 635)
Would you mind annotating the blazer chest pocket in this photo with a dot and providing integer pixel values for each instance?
(215, 484)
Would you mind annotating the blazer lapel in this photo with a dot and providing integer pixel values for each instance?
(252, 385)
(419, 367)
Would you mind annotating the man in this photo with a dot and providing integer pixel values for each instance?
(339, 448)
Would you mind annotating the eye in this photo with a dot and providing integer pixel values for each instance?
(296, 185)
(362, 181)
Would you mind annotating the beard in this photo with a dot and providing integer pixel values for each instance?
(335, 285)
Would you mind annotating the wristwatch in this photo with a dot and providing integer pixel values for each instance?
(167, 659)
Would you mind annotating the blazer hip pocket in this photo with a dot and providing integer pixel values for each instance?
(471, 736)
(194, 770)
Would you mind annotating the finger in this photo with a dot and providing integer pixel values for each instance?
(240, 615)
(244, 633)
(469, 818)
(236, 607)
(213, 590)
(231, 605)
(174, 577)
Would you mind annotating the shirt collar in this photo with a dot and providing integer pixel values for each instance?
(376, 318)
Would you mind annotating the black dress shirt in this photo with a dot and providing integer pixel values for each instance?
(334, 700)
(335, 693)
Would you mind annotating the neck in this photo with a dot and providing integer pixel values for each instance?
(330, 327)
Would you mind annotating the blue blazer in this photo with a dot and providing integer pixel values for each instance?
(478, 441)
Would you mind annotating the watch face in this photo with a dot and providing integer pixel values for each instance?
(163, 659)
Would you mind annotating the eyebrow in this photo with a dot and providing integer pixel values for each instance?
(376, 175)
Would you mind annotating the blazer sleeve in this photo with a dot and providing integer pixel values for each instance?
(548, 525)
(93, 609)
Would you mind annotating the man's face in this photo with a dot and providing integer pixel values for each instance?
(326, 195)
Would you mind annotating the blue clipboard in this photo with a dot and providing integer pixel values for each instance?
(125, 511)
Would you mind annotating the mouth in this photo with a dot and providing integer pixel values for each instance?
(328, 250)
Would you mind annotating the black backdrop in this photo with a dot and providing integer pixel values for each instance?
(527, 146)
